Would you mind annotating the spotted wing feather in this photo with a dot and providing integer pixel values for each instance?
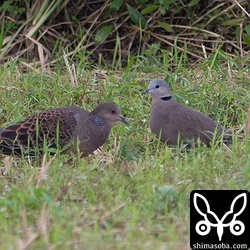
(53, 126)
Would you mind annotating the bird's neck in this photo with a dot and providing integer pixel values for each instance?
(103, 124)
(98, 121)
(166, 98)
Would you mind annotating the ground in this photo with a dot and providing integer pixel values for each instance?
(133, 193)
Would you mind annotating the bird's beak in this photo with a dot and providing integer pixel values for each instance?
(146, 91)
(123, 119)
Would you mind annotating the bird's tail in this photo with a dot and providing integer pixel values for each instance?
(227, 137)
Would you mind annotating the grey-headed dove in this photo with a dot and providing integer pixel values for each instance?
(172, 122)
(62, 126)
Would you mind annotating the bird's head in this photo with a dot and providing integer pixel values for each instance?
(109, 113)
(159, 89)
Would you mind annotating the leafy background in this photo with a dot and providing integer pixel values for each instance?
(109, 32)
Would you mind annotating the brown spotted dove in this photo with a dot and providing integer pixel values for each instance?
(63, 127)
(174, 123)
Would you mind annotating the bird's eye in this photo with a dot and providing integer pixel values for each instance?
(112, 111)
(157, 86)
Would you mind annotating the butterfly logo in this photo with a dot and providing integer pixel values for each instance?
(236, 227)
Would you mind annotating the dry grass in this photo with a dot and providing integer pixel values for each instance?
(50, 31)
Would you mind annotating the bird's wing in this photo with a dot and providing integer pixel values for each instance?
(53, 126)
(189, 122)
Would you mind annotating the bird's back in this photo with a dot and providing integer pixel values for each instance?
(173, 120)
(53, 127)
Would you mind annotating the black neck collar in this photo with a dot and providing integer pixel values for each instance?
(98, 121)
(166, 98)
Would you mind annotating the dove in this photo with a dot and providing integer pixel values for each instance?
(173, 122)
(72, 128)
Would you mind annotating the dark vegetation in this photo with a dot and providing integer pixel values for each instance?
(112, 31)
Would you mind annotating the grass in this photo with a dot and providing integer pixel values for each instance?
(134, 192)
